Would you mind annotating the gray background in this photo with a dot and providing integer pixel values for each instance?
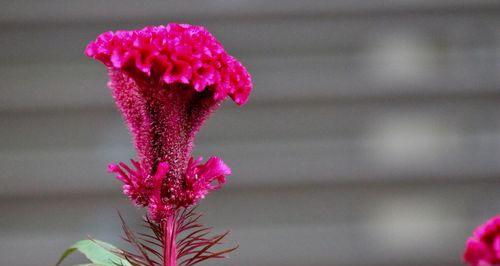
(372, 136)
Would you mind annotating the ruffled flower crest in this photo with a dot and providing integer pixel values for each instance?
(176, 53)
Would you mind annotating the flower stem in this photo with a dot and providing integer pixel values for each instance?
(169, 245)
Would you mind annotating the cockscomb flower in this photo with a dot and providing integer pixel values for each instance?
(483, 247)
(176, 53)
(167, 80)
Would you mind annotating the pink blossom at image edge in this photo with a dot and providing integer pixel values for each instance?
(483, 247)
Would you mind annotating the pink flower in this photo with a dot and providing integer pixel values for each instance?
(483, 247)
(166, 81)
(176, 53)
(138, 184)
(200, 178)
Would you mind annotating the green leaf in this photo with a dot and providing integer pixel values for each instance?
(98, 252)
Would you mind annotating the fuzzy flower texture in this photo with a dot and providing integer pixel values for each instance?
(483, 247)
(167, 80)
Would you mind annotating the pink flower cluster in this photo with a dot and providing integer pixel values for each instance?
(166, 81)
(145, 190)
(176, 53)
(137, 184)
(483, 247)
(200, 178)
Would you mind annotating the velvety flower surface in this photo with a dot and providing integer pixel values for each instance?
(166, 81)
(483, 247)
(175, 53)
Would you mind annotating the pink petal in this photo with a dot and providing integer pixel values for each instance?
(185, 48)
(476, 252)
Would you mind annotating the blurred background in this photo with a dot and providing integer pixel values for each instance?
(372, 136)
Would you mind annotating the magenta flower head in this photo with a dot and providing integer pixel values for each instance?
(483, 247)
(166, 81)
